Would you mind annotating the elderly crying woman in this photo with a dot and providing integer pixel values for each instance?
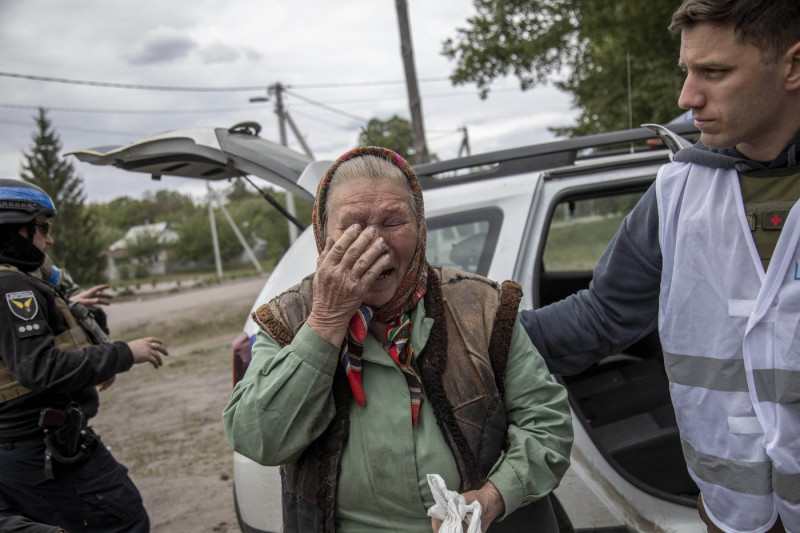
(379, 369)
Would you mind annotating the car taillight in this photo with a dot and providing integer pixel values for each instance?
(241, 356)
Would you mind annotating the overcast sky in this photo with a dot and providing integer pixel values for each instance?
(333, 57)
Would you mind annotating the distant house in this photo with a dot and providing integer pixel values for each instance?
(143, 250)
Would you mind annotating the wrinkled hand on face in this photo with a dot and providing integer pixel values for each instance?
(345, 271)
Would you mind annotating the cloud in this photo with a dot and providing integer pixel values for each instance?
(219, 53)
(162, 45)
(252, 54)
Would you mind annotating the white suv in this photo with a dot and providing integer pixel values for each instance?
(540, 215)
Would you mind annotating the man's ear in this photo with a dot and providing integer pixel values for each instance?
(791, 60)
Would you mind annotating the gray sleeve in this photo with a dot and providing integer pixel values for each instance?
(619, 307)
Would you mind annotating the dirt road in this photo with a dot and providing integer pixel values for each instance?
(165, 424)
(125, 314)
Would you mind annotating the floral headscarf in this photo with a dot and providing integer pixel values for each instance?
(412, 287)
(395, 312)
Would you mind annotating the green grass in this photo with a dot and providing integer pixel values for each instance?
(578, 244)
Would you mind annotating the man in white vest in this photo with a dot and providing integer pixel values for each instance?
(711, 257)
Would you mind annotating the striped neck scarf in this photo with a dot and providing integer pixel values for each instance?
(396, 312)
(400, 350)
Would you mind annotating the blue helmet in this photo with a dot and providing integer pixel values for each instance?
(20, 202)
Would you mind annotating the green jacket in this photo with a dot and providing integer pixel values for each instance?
(285, 403)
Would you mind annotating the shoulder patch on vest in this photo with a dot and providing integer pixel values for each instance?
(22, 304)
(31, 329)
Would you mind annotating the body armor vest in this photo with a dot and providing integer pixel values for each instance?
(73, 338)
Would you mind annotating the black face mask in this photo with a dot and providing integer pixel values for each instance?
(18, 251)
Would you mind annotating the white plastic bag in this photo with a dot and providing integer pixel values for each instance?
(452, 509)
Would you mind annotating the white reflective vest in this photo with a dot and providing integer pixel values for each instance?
(731, 339)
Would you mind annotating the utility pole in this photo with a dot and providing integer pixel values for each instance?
(232, 224)
(297, 135)
(214, 239)
(464, 142)
(414, 102)
(212, 196)
(284, 118)
(277, 89)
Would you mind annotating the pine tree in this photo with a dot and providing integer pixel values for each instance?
(77, 244)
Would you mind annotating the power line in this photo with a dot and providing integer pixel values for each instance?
(231, 109)
(200, 89)
(364, 83)
(327, 107)
(128, 85)
(441, 135)
(236, 109)
(296, 113)
(425, 96)
(128, 111)
(31, 125)
(361, 119)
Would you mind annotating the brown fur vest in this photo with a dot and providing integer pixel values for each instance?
(463, 371)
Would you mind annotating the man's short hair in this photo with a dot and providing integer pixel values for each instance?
(772, 26)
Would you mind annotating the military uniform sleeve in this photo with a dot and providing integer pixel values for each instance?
(619, 307)
(539, 428)
(29, 322)
(285, 400)
(20, 524)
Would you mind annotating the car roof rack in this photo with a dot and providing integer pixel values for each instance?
(537, 157)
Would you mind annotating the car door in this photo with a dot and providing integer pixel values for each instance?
(627, 459)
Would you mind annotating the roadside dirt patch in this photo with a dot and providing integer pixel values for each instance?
(165, 425)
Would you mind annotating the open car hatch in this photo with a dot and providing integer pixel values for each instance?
(212, 154)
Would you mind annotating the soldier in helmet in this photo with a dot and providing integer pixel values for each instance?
(53, 468)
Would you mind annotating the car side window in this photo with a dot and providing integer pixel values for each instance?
(581, 229)
(465, 241)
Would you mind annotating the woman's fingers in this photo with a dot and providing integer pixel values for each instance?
(337, 250)
(354, 252)
(347, 268)
(355, 248)
(372, 262)
(324, 253)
